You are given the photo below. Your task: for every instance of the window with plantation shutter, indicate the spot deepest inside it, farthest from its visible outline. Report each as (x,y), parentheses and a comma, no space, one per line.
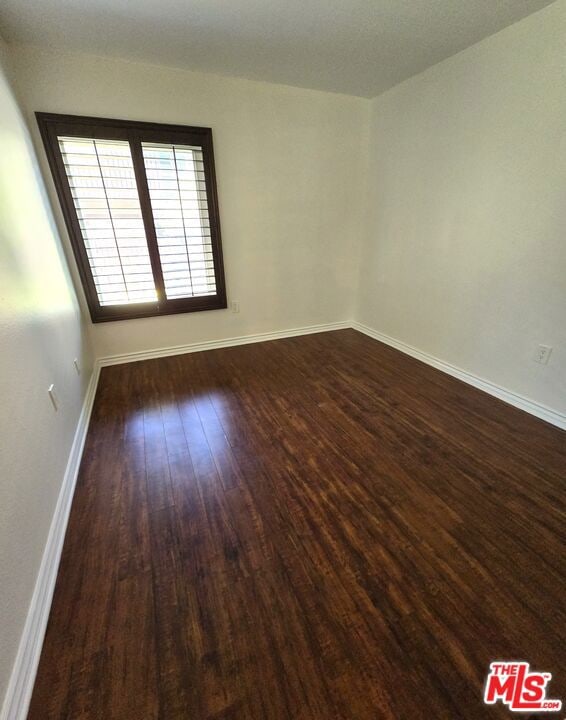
(140,204)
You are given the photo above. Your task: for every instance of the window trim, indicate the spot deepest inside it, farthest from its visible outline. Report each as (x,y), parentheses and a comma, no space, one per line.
(52,125)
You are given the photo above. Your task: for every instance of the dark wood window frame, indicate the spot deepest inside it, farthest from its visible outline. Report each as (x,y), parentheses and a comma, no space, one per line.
(53,126)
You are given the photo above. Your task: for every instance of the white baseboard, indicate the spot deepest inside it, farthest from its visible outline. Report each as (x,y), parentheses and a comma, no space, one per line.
(213,344)
(20,687)
(519,401)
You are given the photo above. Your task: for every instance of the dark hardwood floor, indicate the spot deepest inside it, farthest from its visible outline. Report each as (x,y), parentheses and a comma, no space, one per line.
(318,527)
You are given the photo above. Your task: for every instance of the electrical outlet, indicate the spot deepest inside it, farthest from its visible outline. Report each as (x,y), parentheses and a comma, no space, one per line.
(77,366)
(53,396)
(235,307)
(542,354)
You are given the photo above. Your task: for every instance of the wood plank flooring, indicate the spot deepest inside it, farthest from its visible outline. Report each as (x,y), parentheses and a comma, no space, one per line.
(312,528)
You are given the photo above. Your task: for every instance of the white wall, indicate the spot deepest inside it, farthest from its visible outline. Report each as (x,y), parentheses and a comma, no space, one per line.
(41,332)
(288,165)
(465,254)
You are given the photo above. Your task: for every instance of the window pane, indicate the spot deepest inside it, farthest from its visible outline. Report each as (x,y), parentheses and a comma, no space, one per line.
(177,189)
(103,186)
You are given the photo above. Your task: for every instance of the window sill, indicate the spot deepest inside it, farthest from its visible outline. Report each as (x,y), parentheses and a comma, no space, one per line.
(146,310)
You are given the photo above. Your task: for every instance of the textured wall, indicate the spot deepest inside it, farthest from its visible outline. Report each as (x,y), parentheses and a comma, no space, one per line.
(465,252)
(288,165)
(41,332)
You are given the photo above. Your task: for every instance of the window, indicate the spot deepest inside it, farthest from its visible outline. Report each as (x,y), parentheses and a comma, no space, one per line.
(141,208)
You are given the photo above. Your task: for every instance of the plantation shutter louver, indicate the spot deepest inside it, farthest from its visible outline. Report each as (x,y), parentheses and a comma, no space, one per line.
(177,191)
(105,196)
(140,204)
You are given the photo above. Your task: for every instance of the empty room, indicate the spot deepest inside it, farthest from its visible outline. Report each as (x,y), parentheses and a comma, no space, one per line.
(282,360)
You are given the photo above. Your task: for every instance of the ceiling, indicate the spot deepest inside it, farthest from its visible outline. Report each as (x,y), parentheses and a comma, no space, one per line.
(358,47)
